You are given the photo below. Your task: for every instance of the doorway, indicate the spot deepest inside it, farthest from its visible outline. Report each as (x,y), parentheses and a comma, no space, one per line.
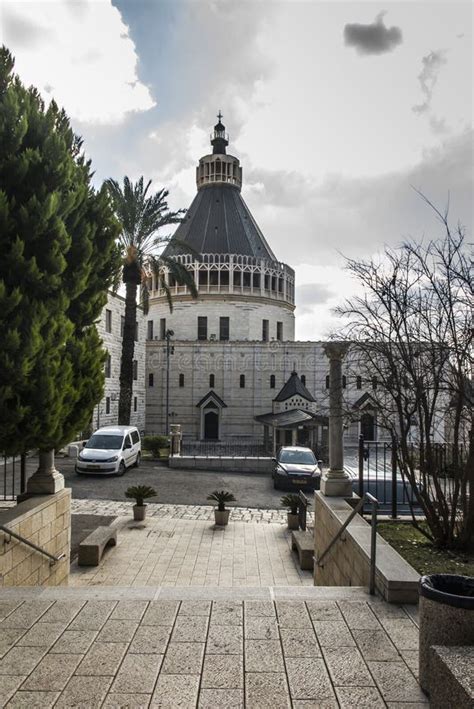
(211,425)
(367,427)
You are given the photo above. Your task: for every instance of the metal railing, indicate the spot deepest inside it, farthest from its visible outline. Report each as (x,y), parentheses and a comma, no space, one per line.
(367,497)
(52,559)
(238,448)
(12,476)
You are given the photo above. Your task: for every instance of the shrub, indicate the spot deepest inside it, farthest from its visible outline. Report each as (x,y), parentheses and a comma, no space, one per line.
(154,443)
(221,497)
(140,493)
(292,502)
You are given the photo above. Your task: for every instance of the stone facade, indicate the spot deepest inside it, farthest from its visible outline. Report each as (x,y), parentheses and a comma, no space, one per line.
(45,521)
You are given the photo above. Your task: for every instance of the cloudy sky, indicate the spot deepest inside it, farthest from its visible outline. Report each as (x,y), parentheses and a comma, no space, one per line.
(336,110)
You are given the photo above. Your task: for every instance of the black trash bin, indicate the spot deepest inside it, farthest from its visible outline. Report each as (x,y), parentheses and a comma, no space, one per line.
(446,616)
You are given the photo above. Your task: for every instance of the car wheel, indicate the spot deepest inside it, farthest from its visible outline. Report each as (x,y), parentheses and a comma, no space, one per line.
(137,462)
(122,468)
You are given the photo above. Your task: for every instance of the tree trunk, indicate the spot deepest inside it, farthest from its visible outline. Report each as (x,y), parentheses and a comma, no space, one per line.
(128,348)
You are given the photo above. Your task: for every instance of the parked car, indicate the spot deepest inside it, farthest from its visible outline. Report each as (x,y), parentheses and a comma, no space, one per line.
(109,450)
(296,467)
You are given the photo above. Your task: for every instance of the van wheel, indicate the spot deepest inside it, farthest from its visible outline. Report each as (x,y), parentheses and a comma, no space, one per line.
(137,462)
(122,468)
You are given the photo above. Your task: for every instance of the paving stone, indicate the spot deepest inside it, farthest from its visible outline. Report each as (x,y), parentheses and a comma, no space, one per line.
(103,659)
(360,697)
(396,683)
(52,673)
(308,678)
(127,701)
(223,672)
(375,645)
(333,633)
(176,692)
(224,640)
(412,658)
(93,615)
(183,658)
(358,615)
(190,629)
(116,631)
(263,656)
(346,667)
(387,610)
(25,615)
(150,639)
(227,613)
(18,661)
(42,635)
(261,628)
(300,642)
(8,637)
(403,633)
(74,642)
(8,686)
(27,700)
(221,699)
(323,610)
(84,693)
(259,608)
(315,704)
(292,614)
(7,607)
(407,705)
(195,608)
(129,610)
(160,613)
(62,612)
(137,673)
(266,691)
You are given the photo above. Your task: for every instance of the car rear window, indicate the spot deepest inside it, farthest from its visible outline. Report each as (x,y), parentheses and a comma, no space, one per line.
(298,457)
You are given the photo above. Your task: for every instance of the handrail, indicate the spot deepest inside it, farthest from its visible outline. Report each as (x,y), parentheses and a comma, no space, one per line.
(373,536)
(52,559)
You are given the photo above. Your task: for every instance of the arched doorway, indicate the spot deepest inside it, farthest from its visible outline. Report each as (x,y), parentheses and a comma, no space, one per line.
(367,427)
(211,425)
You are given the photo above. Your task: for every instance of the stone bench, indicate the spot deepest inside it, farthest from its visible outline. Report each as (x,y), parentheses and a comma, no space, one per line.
(303,543)
(451,681)
(93,546)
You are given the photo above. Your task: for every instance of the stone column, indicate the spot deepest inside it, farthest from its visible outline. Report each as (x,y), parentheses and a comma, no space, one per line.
(46,480)
(336,482)
(175,433)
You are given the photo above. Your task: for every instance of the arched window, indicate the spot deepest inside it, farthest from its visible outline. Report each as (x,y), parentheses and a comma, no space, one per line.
(374,383)
(242,381)
(151,379)
(181,380)
(272,381)
(212,381)
(303,379)
(359,382)
(344,381)
(327,381)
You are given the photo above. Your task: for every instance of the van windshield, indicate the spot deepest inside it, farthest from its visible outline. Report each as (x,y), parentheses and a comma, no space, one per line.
(101,441)
(298,457)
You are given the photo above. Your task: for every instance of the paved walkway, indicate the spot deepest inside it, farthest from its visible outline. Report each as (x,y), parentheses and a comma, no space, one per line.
(176,551)
(348,651)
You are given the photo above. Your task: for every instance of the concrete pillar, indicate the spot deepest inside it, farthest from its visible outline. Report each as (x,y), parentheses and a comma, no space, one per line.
(336,482)
(46,480)
(175,443)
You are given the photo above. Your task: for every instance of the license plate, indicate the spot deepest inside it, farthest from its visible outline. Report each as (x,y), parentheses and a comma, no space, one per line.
(93,467)
(300,482)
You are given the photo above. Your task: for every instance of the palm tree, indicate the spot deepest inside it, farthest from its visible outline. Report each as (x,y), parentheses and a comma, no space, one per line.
(141,216)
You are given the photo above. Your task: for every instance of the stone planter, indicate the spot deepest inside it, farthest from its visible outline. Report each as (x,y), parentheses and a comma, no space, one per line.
(139,512)
(446,616)
(221,517)
(293,521)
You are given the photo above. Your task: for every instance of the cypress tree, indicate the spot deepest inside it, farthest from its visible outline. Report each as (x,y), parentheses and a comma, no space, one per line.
(58,257)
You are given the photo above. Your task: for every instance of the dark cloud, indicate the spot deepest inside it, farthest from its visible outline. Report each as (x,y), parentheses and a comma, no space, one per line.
(21,32)
(311,294)
(428,77)
(375,38)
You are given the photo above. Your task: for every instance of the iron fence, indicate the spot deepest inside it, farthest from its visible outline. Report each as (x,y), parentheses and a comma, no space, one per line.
(238,448)
(13,477)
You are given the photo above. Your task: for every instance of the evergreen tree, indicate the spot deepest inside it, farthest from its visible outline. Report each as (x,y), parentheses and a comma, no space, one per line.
(58,258)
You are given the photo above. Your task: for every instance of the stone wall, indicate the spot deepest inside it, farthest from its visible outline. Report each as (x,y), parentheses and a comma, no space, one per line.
(45,521)
(232,464)
(348,562)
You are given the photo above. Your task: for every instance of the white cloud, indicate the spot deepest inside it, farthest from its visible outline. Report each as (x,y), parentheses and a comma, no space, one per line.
(78,53)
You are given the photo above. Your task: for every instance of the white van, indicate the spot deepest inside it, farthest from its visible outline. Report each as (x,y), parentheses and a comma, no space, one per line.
(111,449)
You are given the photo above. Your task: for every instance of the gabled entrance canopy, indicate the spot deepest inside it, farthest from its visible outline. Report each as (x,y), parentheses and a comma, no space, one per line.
(211,406)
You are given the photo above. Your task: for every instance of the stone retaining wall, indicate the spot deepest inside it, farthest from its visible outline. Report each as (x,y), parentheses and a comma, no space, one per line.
(45,521)
(232,464)
(348,562)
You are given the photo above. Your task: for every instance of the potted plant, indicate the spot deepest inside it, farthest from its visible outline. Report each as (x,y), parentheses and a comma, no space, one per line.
(221,515)
(292,502)
(139,493)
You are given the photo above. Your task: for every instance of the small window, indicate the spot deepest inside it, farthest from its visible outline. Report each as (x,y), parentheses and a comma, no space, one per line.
(212,381)
(108,321)
(135,369)
(303,379)
(135,403)
(265,330)
(374,383)
(149,332)
(272,381)
(359,382)
(136,331)
(162,328)
(107,405)
(108,366)
(181,380)
(202,328)
(151,379)
(279,331)
(327,381)
(344,381)
(122,325)
(224,329)
(242,381)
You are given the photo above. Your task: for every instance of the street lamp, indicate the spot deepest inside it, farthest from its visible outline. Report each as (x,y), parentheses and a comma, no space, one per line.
(169,351)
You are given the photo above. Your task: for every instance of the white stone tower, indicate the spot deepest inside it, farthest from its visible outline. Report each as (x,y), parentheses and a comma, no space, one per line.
(245,293)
